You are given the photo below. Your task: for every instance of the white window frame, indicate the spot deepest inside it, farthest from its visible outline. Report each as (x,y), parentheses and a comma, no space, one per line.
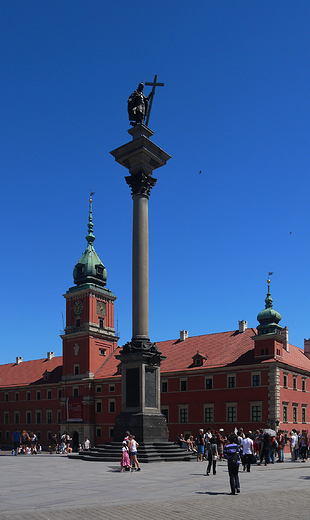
(208,377)
(256,404)
(252,379)
(161,386)
(232,405)
(208,406)
(182,379)
(110,401)
(183,407)
(98,402)
(231,387)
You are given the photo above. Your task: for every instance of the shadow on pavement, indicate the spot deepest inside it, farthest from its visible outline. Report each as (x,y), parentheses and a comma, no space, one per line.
(210,493)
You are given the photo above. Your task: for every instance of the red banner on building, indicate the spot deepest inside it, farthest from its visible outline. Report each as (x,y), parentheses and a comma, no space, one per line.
(74,409)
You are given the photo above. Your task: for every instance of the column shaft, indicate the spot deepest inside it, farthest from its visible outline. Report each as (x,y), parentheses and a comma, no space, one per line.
(140,268)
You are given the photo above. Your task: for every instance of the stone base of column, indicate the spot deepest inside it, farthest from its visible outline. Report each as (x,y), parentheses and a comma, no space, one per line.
(146,427)
(142,345)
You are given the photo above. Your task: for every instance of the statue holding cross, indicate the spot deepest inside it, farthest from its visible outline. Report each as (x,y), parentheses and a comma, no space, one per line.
(139,106)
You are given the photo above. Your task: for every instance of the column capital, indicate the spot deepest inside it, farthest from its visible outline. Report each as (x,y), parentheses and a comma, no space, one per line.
(142,351)
(140,183)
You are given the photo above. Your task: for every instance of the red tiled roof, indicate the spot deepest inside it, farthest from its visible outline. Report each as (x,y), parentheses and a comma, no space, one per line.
(294,358)
(31,372)
(221,349)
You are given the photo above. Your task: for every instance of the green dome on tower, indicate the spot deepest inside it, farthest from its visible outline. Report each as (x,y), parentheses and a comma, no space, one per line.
(269,318)
(90,269)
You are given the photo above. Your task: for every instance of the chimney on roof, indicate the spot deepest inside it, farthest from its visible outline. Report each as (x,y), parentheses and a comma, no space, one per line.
(284,333)
(307,347)
(50,355)
(183,335)
(19,360)
(243,325)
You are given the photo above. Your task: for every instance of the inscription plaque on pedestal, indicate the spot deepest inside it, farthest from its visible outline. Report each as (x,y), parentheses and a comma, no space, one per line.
(132,388)
(150,387)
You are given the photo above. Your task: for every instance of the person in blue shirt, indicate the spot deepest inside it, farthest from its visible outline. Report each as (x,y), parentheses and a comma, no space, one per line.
(16,440)
(233,452)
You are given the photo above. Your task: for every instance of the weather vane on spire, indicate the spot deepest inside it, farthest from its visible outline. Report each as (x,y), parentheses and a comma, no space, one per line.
(139,106)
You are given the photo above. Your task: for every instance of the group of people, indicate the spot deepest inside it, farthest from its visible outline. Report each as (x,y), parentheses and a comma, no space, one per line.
(299,445)
(214,445)
(268,445)
(64,445)
(244,449)
(25,443)
(200,445)
(129,453)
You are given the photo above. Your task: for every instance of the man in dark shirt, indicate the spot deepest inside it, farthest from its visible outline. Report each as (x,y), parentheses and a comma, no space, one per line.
(200,443)
(233,452)
(54,443)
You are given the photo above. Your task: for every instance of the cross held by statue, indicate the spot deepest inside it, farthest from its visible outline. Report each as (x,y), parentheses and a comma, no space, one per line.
(153,84)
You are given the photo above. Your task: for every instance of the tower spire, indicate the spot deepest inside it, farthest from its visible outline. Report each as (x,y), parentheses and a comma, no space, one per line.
(90,269)
(268,299)
(269,318)
(90,237)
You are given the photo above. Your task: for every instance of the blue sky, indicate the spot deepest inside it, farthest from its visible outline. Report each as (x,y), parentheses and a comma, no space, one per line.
(235,106)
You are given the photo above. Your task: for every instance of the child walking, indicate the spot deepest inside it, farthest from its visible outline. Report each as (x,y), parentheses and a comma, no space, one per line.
(125,462)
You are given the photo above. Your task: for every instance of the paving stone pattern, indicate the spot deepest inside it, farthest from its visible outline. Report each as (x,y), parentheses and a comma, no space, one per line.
(52,487)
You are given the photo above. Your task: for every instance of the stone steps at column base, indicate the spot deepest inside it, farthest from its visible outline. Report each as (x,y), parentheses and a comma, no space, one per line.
(156,452)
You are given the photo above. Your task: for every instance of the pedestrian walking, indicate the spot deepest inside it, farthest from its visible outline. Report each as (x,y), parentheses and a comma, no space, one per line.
(212,455)
(233,452)
(248,452)
(133,447)
(125,462)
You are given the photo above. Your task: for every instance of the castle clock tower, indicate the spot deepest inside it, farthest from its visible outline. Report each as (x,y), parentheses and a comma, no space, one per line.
(89,336)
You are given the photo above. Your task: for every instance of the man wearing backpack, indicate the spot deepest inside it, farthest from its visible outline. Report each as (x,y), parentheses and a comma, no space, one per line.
(233,452)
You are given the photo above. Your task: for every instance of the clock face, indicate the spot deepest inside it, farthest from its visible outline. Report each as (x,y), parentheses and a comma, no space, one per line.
(101,306)
(78,307)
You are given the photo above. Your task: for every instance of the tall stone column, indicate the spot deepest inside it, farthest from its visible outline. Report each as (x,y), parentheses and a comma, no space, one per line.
(140,268)
(140,359)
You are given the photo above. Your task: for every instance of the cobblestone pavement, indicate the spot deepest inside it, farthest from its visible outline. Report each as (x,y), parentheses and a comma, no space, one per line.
(52,487)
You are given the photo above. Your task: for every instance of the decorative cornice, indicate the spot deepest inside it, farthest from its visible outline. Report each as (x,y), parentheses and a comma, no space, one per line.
(79,377)
(140,183)
(78,293)
(91,330)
